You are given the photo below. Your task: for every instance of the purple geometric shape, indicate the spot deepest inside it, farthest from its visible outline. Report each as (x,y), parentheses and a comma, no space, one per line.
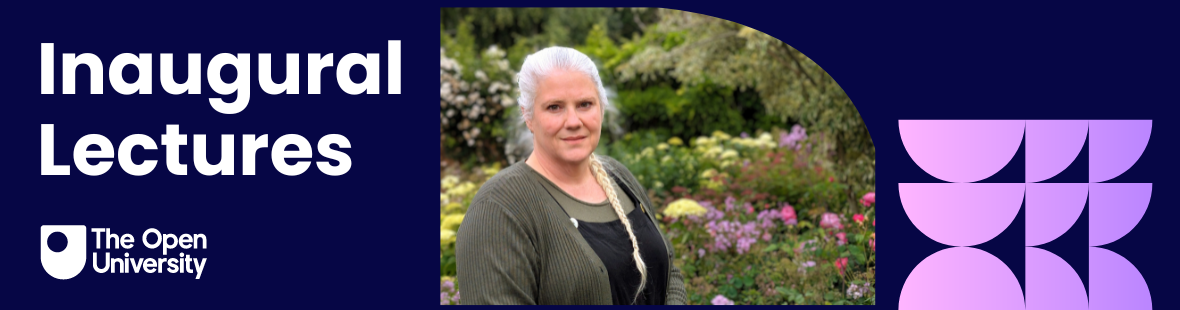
(1050,283)
(1050,209)
(961,150)
(1115,283)
(961,278)
(1115,146)
(1115,209)
(1050,146)
(961,214)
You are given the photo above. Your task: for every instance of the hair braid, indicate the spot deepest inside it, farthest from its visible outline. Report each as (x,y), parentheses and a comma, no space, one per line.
(608,187)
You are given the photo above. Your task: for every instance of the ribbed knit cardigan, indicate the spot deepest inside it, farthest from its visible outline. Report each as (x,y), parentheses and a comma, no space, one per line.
(517,246)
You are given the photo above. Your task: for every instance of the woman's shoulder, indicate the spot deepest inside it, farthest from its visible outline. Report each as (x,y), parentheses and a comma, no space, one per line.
(617,167)
(509,187)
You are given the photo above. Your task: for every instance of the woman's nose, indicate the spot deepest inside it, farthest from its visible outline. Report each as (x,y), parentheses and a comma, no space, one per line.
(572,121)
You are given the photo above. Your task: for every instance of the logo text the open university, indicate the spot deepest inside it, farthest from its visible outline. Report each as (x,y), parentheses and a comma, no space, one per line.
(69,262)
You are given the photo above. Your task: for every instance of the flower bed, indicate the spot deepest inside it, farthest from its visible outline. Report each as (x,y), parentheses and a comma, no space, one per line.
(753,219)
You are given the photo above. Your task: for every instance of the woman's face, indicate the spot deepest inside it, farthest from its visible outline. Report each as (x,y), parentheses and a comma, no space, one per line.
(567,117)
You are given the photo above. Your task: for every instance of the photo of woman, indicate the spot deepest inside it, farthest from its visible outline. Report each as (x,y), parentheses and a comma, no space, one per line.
(593,241)
(638,156)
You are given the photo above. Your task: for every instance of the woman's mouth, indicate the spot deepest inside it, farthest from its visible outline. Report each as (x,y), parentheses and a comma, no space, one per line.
(573,139)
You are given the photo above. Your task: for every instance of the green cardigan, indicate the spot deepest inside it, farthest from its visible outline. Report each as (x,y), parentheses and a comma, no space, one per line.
(516,246)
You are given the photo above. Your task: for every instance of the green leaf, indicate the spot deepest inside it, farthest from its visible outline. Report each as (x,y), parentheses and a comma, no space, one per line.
(781,290)
(770,248)
(856,251)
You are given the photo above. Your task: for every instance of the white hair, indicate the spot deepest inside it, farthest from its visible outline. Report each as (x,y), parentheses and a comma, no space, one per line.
(541,63)
(535,68)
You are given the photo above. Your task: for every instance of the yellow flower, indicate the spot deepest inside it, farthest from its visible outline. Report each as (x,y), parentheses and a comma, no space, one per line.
(708,174)
(491,170)
(449,181)
(728,154)
(453,207)
(675,141)
(446,236)
(662,146)
(647,152)
(713,151)
(703,141)
(683,207)
(462,189)
(451,222)
(720,135)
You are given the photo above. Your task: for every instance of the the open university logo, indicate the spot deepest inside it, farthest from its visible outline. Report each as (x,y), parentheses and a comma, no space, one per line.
(964,151)
(71,260)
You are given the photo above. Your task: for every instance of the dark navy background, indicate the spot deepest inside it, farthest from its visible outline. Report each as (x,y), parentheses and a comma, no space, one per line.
(364,239)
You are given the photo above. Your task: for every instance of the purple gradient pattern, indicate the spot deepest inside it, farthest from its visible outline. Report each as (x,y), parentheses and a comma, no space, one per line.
(963,214)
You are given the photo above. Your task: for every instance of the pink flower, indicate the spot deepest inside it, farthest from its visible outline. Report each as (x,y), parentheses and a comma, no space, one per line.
(749,208)
(873,244)
(858,218)
(766,237)
(788,215)
(721,300)
(841,238)
(874,223)
(831,221)
(841,263)
(869,199)
(803,246)
(831,179)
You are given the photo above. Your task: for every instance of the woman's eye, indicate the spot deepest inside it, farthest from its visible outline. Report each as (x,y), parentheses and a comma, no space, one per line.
(585,104)
(552,107)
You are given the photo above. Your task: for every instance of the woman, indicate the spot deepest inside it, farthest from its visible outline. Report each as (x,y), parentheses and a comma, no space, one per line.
(565,226)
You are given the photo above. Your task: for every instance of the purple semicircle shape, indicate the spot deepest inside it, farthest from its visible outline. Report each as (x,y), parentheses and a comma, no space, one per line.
(1050,283)
(1115,283)
(961,150)
(1115,209)
(1115,146)
(961,214)
(1050,146)
(1050,209)
(961,278)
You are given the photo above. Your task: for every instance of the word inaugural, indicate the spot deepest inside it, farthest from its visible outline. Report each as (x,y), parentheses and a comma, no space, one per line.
(127,264)
(316,62)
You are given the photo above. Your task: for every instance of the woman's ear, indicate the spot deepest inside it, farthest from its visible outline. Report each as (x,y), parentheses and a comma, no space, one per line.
(527,120)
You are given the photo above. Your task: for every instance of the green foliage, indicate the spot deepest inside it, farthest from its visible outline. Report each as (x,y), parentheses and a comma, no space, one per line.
(693,110)
(698,49)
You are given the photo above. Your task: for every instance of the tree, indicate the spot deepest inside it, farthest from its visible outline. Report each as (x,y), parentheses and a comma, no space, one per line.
(702,49)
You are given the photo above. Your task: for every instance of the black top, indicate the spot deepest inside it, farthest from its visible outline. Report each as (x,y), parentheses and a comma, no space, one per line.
(610,241)
(599,225)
